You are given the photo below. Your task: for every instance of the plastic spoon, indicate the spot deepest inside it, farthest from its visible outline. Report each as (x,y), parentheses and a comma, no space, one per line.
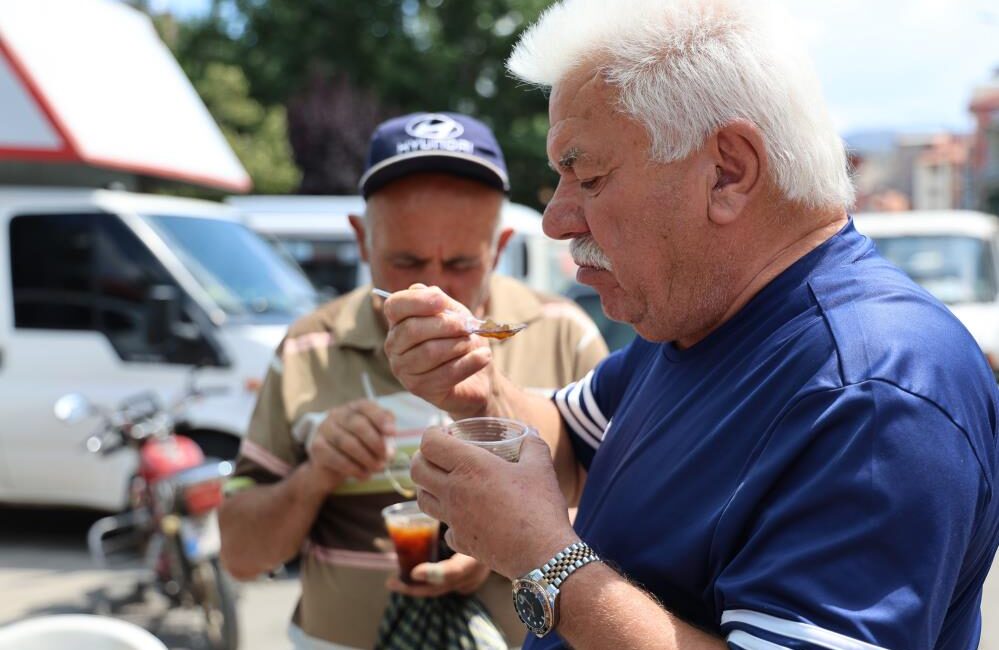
(487,328)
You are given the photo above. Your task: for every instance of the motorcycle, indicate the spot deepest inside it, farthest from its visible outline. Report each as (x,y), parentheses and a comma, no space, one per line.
(173,502)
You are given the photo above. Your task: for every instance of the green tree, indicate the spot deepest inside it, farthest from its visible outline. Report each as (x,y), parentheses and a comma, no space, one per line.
(257,133)
(367,60)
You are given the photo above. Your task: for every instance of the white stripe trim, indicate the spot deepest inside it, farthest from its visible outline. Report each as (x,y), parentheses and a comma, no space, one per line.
(540,390)
(355,559)
(588,338)
(577,410)
(591,403)
(747,641)
(570,419)
(795,630)
(263,457)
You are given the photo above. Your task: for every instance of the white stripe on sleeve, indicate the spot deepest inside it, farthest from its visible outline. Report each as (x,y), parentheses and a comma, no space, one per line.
(591,403)
(746,641)
(575,427)
(796,630)
(573,399)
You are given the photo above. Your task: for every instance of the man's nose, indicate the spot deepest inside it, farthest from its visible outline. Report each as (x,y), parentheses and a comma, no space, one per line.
(563,216)
(433,276)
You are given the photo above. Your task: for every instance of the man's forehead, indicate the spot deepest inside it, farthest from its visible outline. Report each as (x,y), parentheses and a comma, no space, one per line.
(575,104)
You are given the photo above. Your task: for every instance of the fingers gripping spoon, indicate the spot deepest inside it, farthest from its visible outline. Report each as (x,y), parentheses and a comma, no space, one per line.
(487,328)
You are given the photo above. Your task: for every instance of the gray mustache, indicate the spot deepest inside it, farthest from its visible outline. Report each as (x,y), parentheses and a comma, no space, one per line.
(586,252)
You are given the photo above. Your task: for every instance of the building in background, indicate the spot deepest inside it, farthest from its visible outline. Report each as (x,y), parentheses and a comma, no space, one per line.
(940,173)
(984,161)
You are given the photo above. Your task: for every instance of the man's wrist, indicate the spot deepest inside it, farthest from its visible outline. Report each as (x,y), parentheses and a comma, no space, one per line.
(545,550)
(314,483)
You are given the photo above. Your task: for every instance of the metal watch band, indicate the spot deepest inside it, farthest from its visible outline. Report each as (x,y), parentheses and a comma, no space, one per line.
(566,561)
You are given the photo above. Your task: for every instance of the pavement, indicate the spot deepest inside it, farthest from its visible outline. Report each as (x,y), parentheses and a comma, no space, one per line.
(44,569)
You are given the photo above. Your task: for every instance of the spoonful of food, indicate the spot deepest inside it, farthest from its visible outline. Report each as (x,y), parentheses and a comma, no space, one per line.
(487,328)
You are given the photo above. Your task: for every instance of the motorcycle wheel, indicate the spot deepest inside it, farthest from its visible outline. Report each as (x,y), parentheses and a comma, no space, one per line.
(218,602)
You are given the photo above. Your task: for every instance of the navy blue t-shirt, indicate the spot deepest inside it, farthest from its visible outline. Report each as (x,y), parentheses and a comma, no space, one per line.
(816,473)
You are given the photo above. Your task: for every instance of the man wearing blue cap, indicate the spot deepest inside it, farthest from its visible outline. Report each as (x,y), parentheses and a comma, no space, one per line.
(311,474)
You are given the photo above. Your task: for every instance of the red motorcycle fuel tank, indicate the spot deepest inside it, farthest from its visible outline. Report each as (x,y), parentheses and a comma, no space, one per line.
(159,458)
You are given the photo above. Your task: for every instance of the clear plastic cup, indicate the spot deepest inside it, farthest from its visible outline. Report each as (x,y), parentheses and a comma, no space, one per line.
(501,436)
(414,535)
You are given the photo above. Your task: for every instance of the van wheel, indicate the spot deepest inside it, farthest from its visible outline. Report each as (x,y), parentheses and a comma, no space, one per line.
(216,445)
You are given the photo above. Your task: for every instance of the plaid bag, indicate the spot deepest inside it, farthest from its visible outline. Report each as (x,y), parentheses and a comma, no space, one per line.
(450,622)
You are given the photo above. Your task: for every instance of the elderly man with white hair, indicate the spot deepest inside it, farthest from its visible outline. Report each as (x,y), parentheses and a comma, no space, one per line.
(800,449)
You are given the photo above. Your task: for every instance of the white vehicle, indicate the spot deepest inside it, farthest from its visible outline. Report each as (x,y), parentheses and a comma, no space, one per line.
(107,293)
(951,254)
(314,230)
(103,291)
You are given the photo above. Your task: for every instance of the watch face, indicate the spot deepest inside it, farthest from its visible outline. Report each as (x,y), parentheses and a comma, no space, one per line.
(532,607)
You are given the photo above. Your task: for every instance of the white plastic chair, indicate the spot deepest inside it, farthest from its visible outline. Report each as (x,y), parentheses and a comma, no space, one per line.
(75,632)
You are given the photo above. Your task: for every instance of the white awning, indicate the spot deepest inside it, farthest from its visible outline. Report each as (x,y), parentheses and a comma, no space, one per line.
(90,82)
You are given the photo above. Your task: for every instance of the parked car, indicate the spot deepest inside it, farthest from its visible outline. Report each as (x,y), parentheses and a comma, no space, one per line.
(108,292)
(951,254)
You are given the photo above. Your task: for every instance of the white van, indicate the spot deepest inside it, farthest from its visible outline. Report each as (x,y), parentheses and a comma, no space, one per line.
(314,230)
(108,293)
(951,254)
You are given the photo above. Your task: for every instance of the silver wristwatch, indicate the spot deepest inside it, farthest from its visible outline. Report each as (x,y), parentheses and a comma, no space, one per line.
(536,595)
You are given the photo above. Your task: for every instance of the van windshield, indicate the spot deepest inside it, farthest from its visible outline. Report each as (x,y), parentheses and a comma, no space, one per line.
(239,270)
(955,269)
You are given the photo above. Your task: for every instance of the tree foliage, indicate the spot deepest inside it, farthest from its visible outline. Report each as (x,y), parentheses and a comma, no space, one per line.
(339,66)
(257,133)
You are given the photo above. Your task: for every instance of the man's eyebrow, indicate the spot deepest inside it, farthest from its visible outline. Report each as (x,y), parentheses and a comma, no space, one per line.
(461,259)
(568,159)
(407,257)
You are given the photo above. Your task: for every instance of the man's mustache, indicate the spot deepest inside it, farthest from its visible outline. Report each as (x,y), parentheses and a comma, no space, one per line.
(585,252)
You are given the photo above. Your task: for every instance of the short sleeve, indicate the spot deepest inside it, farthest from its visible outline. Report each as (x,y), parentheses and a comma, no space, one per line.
(852,527)
(269,451)
(587,405)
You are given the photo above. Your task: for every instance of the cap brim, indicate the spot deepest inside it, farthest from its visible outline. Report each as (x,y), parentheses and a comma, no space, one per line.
(458,164)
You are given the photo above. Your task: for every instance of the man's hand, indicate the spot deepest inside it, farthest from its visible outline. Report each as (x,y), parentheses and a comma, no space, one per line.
(431,353)
(512,516)
(460,573)
(351,442)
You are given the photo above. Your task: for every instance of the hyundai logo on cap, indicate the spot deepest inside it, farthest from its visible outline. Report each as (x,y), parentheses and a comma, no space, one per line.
(449,143)
(434,126)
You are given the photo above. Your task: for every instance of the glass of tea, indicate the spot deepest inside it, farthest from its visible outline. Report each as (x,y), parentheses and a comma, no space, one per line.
(414,535)
(501,436)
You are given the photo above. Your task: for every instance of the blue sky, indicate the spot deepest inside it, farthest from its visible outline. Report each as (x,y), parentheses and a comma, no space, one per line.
(884,64)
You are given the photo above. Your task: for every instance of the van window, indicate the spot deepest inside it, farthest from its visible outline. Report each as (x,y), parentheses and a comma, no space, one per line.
(330,264)
(50,261)
(91,272)
(955,269)
(239,270)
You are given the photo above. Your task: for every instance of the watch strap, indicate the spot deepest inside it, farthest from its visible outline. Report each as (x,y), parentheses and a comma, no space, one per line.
(566,562)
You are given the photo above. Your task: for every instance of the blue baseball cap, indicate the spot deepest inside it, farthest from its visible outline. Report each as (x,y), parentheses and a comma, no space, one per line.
(433,142)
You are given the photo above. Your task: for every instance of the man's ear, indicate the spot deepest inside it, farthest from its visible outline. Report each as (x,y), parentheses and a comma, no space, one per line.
(501,242)
(740,166)
(359,227)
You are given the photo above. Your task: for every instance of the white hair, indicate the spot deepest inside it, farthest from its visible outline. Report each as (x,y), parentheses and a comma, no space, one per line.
(685,68)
